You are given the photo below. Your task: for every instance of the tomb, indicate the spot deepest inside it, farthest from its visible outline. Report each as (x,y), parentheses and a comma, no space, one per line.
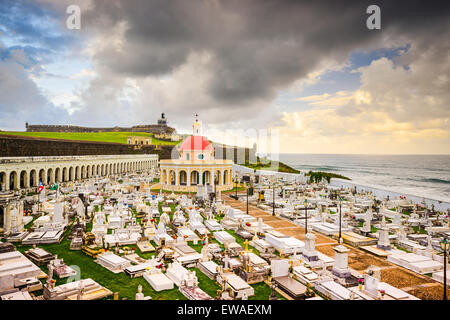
(280,275)
(305,275)
(383,236)
(417,263)
(136,270)
(15,270)
(176,272)
(86,289)
(157,279)
(284,244)
(238,287)
(39,256)
(209,268)
(6,247)
(61,269)
(340,268)
(213,225)
(112,262)
(253,267)
(262,246)
(223,237)
(189,287)
(145,246)
(309,253)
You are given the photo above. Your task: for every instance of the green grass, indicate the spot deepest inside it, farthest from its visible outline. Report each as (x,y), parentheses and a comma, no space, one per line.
(117,137)
(271,166)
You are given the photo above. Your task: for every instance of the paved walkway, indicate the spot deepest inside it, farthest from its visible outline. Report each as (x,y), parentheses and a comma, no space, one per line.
(418,285)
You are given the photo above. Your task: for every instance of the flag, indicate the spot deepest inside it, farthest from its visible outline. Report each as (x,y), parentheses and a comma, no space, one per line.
(40,187)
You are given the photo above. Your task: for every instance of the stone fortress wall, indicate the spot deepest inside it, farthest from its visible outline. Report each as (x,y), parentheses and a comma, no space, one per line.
(19,146)
(151,128)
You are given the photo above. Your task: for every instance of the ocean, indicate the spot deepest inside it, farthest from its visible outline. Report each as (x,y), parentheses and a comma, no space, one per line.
(422,176)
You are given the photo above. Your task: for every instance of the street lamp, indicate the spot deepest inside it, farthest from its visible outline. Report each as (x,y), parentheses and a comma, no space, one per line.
(306,216)
(273,198)
(247,199)
(340,218)
(216,176)
(445,245)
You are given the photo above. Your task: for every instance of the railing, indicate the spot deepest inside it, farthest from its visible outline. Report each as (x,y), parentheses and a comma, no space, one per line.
(73,158)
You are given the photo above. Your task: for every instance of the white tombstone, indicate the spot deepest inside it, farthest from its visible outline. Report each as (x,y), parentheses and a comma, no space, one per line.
(371,285)
(260,225)
(340,267)
(58,213)
(280,268)
(383,236)
(397,220)
(367,221)
(309,252)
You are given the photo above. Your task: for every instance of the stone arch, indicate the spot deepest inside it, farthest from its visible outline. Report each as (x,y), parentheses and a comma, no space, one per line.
(65,174)
(225,177)
(83,172)
(23,181)
(33,178)
(88,171)
(206,177)
(172,177)
(218,176)
(58,175)
(194,178)
(77,173)
(163,178)
(3,182)
(183,177)
(13,181)
(71,171)
(42,176)
(50,176)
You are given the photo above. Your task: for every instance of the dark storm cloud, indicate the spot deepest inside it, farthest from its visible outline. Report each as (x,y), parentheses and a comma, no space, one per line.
(258,46)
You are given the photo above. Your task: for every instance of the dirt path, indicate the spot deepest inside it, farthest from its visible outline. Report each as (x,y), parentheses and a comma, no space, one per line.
(418,285)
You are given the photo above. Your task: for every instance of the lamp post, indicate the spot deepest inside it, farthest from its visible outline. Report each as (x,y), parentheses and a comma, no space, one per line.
(306,216)
(340,218)
(247,199)
(273,198)
(215,182)
(445,245)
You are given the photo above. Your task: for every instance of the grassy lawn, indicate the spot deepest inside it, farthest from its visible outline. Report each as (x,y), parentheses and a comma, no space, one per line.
(117,137)
(86,267)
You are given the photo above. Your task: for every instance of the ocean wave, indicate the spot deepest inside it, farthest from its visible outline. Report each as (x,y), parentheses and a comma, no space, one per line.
(435,180)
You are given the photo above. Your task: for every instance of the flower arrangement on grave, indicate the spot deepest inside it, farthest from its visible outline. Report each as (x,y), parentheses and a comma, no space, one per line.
(382,292)
(174,237)
(248,224)
(360,283)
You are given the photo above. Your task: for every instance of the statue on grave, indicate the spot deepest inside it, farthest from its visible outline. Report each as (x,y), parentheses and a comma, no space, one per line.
(80,290)
(139,294)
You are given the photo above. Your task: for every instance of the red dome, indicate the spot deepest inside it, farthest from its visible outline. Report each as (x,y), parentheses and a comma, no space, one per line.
(196,143)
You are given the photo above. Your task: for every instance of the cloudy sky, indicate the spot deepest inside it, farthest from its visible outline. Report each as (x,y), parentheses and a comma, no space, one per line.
(309,71)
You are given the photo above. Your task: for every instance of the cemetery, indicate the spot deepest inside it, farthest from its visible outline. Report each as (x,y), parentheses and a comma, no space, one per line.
(122,236)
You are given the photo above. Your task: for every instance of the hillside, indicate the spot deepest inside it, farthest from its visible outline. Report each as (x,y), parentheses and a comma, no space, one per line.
(117,137)
(271,166)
